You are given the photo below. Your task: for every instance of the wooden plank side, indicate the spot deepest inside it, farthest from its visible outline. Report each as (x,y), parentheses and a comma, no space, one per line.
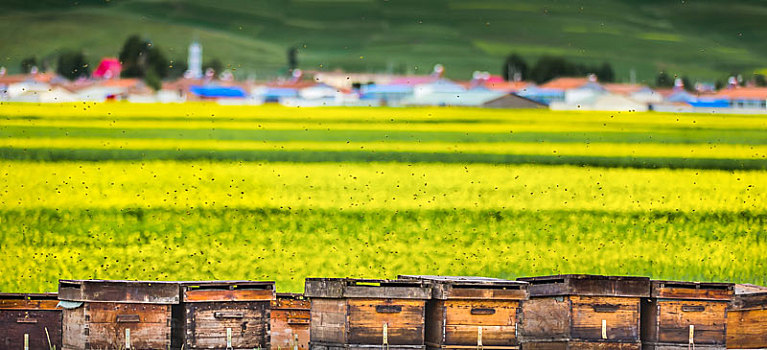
(676,316)
(481,312)
(649,320)
(287,334)
(545,319)
(28,304)
(619,315)
(117,312)
(14,324)
(328,321)
(580,346)
(747,329)
(435,321)
(73,335)
(146,292)
(143,336)
(484,293)
(404,319)
(206,295)
(468,335)
(207,324)
(693,293)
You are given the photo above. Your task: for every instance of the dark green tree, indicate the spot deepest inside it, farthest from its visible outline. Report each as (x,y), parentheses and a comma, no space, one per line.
(292,59)
(550,67)
(515,67)
(688,85)
(72,65)
(142,59)
(214,64)
(605,73)
(133,57)
(27,64)
(759,80)
(663,80)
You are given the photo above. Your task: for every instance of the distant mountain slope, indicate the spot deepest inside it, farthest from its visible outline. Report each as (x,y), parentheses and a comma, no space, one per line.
(701,39)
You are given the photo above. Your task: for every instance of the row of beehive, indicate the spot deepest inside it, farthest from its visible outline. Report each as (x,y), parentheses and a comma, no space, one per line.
(413,312)
(95,314)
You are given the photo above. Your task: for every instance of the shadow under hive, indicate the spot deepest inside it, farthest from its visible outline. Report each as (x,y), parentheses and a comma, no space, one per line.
(682,315)
(29,321)
(583,312)
(117,314)
(472,312)
(367,314)
(224,314)
(290,322)
(747,318)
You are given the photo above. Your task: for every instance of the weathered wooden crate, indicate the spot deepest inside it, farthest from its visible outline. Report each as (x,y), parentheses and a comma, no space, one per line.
(290,322)
(747,318)
(29,321)
(225,314)
(472,312)
(364,314)
(680,315)
(117,314)
(583,312)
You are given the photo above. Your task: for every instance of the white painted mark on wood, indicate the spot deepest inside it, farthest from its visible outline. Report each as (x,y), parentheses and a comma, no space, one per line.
(604,329)
(127,338)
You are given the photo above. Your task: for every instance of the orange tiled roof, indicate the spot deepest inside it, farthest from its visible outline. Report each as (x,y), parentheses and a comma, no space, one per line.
(565,83)
(747,93)
(508,85)
(623,89)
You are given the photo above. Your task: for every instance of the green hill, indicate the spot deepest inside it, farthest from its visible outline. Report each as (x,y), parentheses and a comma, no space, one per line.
(703,39)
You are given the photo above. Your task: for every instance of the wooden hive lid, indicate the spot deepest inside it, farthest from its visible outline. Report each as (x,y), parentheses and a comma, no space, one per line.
(366,288)
(28,301)
(129,292)
(684,290)
(749,297)
(588,285)
(211,291)
(471,287)
(30,296)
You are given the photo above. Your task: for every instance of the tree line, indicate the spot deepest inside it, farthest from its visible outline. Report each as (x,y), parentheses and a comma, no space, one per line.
(549,67)
(140,58)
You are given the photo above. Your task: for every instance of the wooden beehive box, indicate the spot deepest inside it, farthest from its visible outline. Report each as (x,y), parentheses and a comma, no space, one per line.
(583,312)
(225,314)
(117,314)
(684,314)
(33,320)
(290,322)
(747,318)
(367,314)
(472,312)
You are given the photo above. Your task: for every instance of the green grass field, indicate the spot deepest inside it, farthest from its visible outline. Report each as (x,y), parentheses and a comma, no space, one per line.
(706,39)
(200,191)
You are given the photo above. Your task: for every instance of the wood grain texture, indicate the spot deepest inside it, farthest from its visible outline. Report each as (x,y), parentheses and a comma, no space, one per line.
(620,315)
(404,327)
(290,319)
(202,295)
(206,324)
(14,324)
(692,290)
(576,345)
(674,322)
(328,321)
(545,319)
(99,326)
(747,329)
